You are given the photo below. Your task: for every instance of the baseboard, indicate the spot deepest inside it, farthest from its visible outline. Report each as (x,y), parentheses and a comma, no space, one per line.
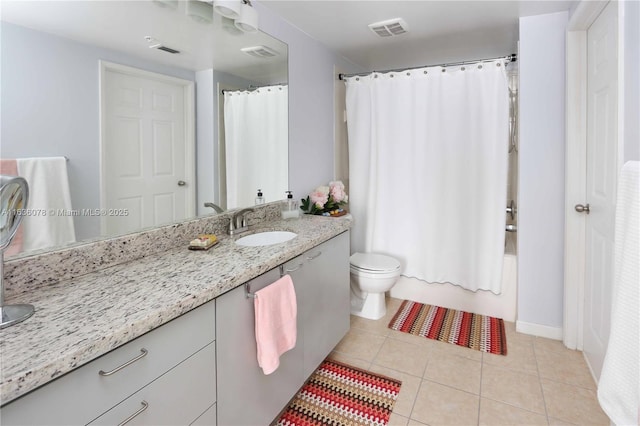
(540,330)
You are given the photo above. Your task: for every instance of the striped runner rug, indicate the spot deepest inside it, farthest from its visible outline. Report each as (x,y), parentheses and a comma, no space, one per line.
(480,332)
(341,395)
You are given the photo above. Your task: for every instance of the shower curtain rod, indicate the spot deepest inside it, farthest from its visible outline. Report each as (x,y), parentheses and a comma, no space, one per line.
(509,58)
(252,88)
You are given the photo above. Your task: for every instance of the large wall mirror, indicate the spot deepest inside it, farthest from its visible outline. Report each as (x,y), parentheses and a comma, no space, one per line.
(160,111)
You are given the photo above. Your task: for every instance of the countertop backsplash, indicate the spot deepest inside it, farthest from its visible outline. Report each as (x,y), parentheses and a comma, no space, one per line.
(26,273)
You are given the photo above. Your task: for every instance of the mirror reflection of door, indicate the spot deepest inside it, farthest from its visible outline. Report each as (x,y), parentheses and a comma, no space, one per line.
(148,155)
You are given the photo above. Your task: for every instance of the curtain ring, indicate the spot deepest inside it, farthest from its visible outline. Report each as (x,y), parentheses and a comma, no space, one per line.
(357,78)
(444,70)
(425,71)
(408,73)
(391,75)
(498,64)
(375,76)
(462,69)
(479,67)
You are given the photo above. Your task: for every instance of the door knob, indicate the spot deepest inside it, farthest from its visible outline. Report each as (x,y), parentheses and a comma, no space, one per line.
(181,183)
(582,209)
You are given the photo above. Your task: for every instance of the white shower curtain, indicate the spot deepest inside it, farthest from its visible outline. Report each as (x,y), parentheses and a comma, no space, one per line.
(256,144)
(428,170)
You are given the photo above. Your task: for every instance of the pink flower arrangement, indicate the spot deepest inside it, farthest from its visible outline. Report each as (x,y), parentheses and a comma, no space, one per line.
(325,200)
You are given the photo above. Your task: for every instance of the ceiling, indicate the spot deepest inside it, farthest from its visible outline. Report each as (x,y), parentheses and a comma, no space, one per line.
(439,31)
(122,25)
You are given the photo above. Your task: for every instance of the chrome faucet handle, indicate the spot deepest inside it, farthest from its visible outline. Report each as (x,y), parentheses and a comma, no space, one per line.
(238,222)
(240,219)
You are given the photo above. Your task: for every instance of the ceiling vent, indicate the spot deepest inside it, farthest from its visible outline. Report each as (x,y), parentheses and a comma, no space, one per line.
(391,27)
(260,51)
(165,48)
(155,44)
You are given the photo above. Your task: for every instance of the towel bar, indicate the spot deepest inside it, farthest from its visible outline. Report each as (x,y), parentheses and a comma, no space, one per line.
(247,292)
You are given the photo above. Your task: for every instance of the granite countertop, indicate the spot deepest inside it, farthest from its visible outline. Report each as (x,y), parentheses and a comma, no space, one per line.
(81,319)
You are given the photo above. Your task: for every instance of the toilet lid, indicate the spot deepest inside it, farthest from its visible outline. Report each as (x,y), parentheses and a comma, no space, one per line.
(374,262)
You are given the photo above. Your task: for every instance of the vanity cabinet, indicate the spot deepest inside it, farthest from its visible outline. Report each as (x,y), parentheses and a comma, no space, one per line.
(246,396)
(325,299)
(173,363)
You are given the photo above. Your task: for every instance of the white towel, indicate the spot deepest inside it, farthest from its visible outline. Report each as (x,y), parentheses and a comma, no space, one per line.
(618,391)
(47,224)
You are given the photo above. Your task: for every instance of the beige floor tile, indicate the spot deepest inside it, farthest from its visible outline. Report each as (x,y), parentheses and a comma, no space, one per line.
(556,422)
(360,344)
(545,344)
(497,413)
(371,326)
(513,335)
(397,420)
(402,356)
(520,356)
(444,349)
(346,359)
(512,387)
(573,404)
(441,405)
(454,371)
(566,366)
(393,304)
(415,423)
(408,390)
(413,339)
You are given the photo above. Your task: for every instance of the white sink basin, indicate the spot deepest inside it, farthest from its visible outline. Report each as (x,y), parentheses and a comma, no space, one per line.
(266,238)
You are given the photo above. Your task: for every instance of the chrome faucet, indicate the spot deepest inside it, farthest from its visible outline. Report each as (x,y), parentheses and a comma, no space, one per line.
(216,207)
(238,222)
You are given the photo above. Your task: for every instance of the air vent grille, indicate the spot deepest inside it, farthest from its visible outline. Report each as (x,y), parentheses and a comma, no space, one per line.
(167,49)
(260,51)
(157,44)
(389,28)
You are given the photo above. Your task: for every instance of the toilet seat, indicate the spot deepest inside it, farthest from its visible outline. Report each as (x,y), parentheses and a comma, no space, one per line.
(373,263)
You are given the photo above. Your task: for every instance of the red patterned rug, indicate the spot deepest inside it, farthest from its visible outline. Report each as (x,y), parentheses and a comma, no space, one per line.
(461,328)
(337,394)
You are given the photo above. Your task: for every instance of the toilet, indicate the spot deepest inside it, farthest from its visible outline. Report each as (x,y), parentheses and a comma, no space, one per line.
(372,275)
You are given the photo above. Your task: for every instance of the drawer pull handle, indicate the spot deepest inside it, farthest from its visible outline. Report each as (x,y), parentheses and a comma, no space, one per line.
(143,353)
(145,405)
(286,271)
(313,257)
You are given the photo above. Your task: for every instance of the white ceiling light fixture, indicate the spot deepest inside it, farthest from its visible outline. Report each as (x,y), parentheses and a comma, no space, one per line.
(389,28)
(228,8)
(199,11)
(248,19)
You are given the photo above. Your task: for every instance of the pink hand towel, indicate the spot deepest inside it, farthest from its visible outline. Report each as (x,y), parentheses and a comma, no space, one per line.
(276,310)
(10,167)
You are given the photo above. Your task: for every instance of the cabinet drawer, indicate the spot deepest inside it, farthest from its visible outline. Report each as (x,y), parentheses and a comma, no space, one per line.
(162,402)
(83,394)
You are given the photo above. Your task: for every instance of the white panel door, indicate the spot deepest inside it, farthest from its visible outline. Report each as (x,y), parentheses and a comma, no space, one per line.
(601,182)
(147,161)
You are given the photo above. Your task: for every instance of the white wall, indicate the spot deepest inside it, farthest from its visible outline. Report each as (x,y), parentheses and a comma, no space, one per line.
(541,182)
(631,79)
(311,100)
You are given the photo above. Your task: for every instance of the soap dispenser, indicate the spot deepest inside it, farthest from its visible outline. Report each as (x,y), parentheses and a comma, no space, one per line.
(290,207)
(259,198)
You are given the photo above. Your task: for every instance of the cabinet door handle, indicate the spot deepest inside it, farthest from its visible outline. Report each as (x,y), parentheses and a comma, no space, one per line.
(143,353)
(145,405)
(286,271)
(313,257)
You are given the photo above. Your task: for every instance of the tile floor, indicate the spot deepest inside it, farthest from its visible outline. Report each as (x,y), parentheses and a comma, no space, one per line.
(539,382)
